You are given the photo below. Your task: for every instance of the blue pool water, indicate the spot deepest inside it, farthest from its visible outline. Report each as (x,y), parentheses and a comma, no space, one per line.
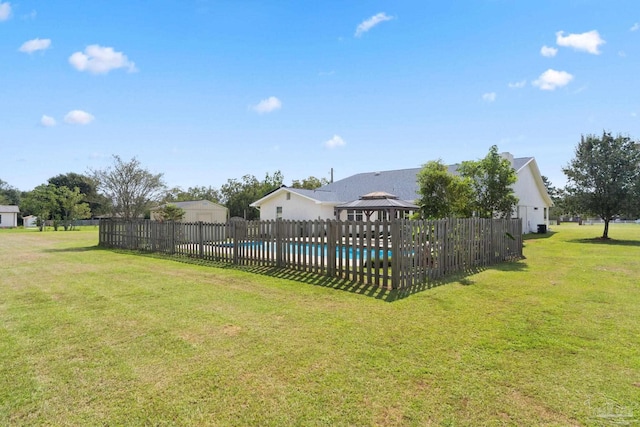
(315,249)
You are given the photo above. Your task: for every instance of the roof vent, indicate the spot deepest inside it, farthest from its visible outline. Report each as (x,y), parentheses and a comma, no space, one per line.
(376,173)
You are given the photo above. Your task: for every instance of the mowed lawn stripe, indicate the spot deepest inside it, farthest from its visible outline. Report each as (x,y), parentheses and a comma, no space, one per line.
(100,337)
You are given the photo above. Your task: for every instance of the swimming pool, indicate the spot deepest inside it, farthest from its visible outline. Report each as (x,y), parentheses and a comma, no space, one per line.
(318,249)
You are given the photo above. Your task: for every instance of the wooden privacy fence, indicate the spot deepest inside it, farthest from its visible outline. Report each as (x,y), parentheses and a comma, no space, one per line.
(395,254)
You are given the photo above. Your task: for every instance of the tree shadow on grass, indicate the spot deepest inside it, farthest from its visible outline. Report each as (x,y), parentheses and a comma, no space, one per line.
(317,279)
(74,249)
(608,242)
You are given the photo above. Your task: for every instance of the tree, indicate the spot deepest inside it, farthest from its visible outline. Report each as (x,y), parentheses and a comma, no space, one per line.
(8,194)
(71,205)
(443,194)
(310,183)
(177,194)
(604,176)
(41,201)
(238,194)
(87,186)
(170,212)
(491,179)
(130,188)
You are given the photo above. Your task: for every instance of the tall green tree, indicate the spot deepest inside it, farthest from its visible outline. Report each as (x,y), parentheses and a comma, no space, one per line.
(604,176)
(442,194)
(492,179)
(42,202)
(8,194)
(310,183)
(88,187)
(238,194)
(71,205)
(130,188)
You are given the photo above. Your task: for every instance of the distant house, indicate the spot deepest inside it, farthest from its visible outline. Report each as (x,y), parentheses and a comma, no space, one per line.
(9,216)
(347,198)
(198,211)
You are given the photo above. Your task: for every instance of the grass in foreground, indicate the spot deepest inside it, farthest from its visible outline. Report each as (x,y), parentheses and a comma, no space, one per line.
(90,336)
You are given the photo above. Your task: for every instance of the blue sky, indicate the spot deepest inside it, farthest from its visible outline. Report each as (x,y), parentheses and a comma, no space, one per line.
(204,91)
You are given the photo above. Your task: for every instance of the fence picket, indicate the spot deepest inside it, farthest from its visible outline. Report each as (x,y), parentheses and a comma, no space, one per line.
(420,251)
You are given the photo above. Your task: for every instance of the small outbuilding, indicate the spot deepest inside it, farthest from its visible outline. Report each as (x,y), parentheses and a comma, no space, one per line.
(9,216)
(30,221)
(198,211)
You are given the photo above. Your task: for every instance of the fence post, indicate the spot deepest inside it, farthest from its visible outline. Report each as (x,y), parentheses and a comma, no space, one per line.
(234,239)
(396,256)
(331,247)
(172,236)
(200,239)
(278,243)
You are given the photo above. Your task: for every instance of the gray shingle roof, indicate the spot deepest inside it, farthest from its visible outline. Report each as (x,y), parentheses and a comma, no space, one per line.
(9,209)
(401,182)
(318,194)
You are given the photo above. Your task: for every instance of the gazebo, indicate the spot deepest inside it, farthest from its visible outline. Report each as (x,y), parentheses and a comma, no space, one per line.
(378,201)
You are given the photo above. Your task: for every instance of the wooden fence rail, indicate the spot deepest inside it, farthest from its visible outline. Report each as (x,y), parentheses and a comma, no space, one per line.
(394,254)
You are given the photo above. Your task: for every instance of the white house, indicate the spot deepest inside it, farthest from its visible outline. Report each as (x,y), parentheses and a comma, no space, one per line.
(198,210)
(326,201)
(9,216)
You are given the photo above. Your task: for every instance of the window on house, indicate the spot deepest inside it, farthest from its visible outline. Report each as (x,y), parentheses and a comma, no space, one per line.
(0,219)
(279,212)
(288,196)
(354,215)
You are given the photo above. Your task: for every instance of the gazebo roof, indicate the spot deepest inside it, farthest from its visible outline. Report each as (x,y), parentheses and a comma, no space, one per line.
(377,195)
(378,205)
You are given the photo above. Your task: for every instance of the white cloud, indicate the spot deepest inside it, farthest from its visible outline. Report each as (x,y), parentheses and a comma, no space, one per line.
(489,97)
(47,121)
(547,51)
(518,85)
(34,45)
(78,117)
(368,24)
(552,79)
(335,142)
(635,27)
(267,105)
(5,11)
(587,42)
(100,60)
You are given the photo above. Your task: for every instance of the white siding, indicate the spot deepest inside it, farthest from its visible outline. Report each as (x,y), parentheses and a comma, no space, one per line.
(205,212)
(295,208)
(8,219)
(531,205)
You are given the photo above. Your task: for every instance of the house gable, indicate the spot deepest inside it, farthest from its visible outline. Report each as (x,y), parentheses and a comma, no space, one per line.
(294,203)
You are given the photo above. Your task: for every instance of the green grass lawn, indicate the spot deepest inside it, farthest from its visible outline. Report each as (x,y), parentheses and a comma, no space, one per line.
(97,337)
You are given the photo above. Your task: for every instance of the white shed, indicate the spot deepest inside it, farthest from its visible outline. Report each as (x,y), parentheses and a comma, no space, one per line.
(9,216)
(30,221)
(198,211)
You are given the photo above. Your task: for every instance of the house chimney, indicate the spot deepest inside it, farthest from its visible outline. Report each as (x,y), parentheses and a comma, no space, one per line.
(331,175)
